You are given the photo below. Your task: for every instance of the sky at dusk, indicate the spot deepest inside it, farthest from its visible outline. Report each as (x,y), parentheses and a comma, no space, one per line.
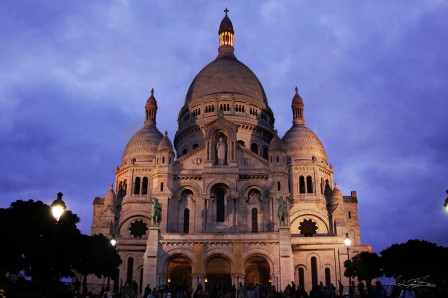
(75,77)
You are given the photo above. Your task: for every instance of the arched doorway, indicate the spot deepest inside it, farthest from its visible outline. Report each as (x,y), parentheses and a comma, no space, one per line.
(218,276)
(179,272)
(257,271)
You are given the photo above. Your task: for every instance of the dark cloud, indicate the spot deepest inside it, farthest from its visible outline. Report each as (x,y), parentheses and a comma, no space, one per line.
(74,79)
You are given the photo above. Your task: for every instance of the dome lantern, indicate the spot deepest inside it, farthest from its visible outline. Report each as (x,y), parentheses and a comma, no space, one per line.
(151,109)
(297,108)
(226,34)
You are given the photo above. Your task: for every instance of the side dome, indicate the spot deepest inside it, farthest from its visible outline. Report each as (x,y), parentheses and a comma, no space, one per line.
(165,143)
(226,75)
(143,145)
(302,143)
(276,144)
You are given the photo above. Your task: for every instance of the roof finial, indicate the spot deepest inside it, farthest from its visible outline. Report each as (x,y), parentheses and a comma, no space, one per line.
(166,134)
(226,10)
(297,90)
(152,91)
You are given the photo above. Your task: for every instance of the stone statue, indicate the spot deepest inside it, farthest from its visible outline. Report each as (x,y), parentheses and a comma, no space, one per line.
(156,213)
(221,149)
(282,212)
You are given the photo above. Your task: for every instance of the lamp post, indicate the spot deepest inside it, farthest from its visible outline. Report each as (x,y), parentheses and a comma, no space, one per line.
(113,242)
(57,210)
(348,242)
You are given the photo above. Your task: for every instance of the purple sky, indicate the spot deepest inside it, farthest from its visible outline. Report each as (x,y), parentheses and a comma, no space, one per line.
(75,76)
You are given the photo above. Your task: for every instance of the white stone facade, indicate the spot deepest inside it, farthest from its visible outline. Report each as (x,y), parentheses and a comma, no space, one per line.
(219,218)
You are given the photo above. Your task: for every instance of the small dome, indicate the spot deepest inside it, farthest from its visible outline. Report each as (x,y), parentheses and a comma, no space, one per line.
(302,143)
(143,145)
(276,144)
(226,24)
(151,100)
(337,194)
(226,75)
(109,198)
(165,143)
(296,99)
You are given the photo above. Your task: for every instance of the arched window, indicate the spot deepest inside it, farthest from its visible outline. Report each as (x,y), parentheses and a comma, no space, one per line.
(241,143)
(314,271)
(335,228)
(184,151)
(163,159)
(278,186)
(254,220)
(278,158)
(322,185)
(220,207)
(195,146)
(302,184)
(254,148)
(349,215)
(327,277)
(145,186)
(125,187)
(264,152)
(161,186)
(137,186)
(186,221)
(301,277)
(309,184)
(130,271)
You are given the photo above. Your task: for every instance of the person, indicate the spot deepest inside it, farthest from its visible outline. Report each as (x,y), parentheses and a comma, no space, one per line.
(282,211)
(147,291)
(107,293)
(221,151)
(2,293)
(379,291)
(135,288)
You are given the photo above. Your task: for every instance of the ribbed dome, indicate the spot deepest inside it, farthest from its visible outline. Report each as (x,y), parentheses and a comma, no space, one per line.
(165,143)
(226,75)
(302,143)
(109,198)
(276,144)
(143,145)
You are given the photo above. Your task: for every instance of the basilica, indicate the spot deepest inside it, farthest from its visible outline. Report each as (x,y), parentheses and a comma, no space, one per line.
(232,202)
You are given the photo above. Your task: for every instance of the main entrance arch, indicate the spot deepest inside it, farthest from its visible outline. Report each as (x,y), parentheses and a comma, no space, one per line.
(218,275)
(257,270)
(179,272)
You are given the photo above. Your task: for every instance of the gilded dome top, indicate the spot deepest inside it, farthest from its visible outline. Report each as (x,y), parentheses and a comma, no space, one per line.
(302,143)
(226,75)
(143,145)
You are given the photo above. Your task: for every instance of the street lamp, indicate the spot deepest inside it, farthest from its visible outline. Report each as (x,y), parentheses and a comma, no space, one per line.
(58,207)
(113,241)
(348,242)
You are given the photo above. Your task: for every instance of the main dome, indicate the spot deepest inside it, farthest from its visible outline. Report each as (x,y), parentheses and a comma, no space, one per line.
(226,75)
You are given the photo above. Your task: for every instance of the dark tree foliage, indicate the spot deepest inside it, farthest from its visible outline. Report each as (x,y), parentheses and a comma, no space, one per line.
(365,266)
(46,250)
(416,259)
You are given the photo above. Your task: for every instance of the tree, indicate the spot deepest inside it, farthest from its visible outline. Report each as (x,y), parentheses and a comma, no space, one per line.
(365,265)
(416,259)
(46,250)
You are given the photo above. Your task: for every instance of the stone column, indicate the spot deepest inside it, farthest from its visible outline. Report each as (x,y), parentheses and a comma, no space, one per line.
(286,257)
(198,272)
(150,258)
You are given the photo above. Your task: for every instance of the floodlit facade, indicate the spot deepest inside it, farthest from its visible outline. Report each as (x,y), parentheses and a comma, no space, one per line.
(231,202)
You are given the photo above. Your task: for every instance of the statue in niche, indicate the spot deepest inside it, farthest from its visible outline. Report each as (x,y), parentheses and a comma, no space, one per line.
(282,212)
(254,196)
(221,148)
